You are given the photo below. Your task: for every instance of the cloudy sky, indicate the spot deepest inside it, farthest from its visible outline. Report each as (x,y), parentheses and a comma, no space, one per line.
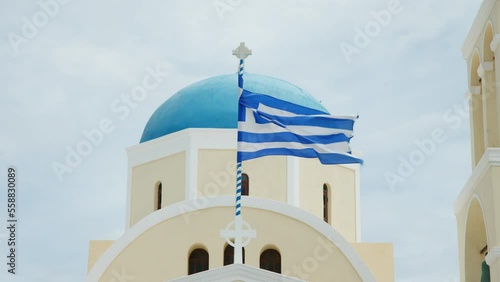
(60,74)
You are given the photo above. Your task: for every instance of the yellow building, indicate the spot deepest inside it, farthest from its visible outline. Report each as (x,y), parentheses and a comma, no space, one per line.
(477,208)
(181,187)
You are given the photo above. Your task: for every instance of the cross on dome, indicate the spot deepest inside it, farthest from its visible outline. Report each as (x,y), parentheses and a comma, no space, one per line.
(242,52)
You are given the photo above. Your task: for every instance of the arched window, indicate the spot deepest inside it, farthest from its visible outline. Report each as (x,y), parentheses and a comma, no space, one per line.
(198,261)
(158,196)
(245,184)
(229,255)
(326,202)
(271,260)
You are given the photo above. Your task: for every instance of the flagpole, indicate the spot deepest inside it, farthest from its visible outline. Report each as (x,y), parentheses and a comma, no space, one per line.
(241,53)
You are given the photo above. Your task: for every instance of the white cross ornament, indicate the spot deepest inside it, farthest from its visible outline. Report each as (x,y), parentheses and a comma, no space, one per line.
(243,231)
(242,52)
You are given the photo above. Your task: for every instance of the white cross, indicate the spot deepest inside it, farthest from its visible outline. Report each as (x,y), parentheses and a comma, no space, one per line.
(238,233)
(242,52)
(241,232)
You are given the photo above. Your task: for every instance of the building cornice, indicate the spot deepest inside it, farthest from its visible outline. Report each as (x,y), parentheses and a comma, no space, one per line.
(477,27)
(191,138)
(490,158)
(237,272)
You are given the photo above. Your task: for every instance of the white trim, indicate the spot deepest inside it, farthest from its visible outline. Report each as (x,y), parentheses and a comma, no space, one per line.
(487,66)
(475,90)
(129,197)
(490,158)
(201,138)
(495,42)
(191,191)
(480,71)
(477,27)
(493,255)
(237,272)
(358,202)
(483,68)
(175,210)
(293,181)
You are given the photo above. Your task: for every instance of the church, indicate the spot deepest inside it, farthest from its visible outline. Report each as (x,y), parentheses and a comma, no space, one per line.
(301,218)
(477,206)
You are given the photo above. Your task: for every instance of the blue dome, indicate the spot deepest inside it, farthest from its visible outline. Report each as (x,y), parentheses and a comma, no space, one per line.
(212,103)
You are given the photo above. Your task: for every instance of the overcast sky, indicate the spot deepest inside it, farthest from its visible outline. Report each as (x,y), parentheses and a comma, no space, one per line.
(61,73)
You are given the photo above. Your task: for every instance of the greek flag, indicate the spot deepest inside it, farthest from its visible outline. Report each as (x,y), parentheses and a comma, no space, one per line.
(270,126)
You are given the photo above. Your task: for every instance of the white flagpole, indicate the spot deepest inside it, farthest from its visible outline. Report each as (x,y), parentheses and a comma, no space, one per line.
(241,53)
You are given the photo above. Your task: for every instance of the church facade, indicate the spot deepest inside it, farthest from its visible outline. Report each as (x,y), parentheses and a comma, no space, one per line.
(477,207)
(181,195)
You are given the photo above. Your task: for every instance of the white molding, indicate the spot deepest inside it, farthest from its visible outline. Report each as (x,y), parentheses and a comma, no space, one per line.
(475,90)
(293,181)
(358,202)
(488,66)
(494,43)
(493,255)
(201,138)
(490,158)
(175,210)
(483,68)
(237,272)
(129,197)
(191,168)
(477,27)
(480,71)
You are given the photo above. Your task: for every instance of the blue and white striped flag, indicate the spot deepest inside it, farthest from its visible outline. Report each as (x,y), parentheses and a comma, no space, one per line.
(269,126)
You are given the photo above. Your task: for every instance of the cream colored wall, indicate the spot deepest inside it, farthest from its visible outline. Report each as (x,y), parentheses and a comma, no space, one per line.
(268,179)
(489,200)
(170,171)
(161,253)
(96,249)
(217,175)
(342,183)
(379,257)
(216,172)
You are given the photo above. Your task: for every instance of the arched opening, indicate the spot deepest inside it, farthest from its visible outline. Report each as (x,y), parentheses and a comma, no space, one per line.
(158,195)
(488,55)
(198,261)
(270,259)
(245,184)
(475,243)
(476,109)
(326,203)
(229,254)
